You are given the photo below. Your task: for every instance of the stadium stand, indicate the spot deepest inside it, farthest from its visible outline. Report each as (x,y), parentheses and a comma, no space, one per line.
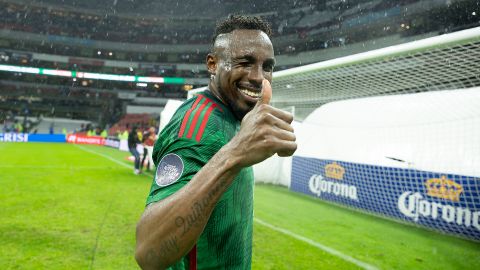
(142,121)
(86,37)
(58,125)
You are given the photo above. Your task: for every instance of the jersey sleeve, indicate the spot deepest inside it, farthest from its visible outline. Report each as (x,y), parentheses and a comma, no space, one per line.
(184,151)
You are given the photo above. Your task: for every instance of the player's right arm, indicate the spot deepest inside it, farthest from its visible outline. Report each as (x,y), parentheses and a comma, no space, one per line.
(169,228)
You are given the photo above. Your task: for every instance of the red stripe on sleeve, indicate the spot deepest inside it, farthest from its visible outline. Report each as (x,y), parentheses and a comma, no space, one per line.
(192,258)
(187,116)
(204,122)
(210,100)
(195,118)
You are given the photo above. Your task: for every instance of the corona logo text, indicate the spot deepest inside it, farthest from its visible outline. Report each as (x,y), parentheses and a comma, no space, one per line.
(444,188)
(318,185)
(335,171)
(414,206)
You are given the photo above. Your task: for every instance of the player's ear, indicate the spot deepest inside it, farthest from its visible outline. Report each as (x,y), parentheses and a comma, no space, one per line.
(211,63)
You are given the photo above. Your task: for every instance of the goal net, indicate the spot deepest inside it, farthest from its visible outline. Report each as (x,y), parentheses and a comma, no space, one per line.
(449,61)
(392,132)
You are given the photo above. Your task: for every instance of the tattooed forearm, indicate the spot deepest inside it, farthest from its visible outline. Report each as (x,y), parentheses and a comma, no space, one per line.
(178,226)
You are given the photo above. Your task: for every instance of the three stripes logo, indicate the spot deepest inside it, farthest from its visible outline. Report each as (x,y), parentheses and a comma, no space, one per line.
(196,118)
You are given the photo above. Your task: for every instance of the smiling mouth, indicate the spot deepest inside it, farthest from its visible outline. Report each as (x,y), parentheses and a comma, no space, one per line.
(250,93)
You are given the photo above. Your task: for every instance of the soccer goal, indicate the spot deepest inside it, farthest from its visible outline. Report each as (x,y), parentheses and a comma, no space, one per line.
(392,132)
(450,61)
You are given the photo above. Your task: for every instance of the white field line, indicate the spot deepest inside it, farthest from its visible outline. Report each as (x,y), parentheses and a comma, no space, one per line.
(275,228)
(318,245)
(110,158)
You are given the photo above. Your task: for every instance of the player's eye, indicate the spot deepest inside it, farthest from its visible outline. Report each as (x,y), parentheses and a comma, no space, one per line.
(268,68)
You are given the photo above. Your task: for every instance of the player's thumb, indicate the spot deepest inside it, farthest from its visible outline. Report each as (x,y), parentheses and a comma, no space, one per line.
(266,93)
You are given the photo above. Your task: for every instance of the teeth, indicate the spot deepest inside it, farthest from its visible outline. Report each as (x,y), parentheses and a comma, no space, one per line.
(250,93)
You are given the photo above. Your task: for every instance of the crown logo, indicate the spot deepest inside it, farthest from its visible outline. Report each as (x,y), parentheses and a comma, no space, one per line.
(334,171)
(444,188)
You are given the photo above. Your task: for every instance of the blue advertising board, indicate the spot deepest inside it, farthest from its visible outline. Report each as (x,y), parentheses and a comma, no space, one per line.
(60,138)
(24,137)
(446,202)
(13,137)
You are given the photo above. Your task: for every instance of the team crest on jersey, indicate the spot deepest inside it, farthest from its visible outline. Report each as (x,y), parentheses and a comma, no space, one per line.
(169,170)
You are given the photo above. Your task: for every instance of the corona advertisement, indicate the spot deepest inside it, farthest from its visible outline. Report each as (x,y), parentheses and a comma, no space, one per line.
(444,202)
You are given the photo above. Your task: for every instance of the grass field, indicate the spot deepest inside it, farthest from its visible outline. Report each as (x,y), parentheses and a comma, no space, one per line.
(75,207)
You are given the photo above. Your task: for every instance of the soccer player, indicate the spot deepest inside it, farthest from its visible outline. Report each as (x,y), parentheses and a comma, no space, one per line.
(133,140)
(199,212)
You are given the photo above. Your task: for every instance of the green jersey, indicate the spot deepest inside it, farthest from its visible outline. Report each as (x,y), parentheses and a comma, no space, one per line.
(197,130)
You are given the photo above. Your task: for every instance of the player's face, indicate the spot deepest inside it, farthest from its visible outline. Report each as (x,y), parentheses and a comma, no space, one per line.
(245,61)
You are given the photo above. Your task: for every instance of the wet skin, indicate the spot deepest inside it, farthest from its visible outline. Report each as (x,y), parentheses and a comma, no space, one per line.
(239,62)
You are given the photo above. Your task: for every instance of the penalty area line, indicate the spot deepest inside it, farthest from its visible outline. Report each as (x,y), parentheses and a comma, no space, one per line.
(318,245)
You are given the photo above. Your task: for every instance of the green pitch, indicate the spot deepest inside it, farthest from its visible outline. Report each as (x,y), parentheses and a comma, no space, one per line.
(75,207)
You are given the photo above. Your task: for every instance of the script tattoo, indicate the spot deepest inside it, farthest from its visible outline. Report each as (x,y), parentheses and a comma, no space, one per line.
(169,246)
(166,248)
(198,208)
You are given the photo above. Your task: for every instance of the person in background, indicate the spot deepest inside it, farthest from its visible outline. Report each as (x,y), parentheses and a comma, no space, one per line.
(104,133)
(18,127)
(149,138)
(124,135)
(133,140)
(140,135)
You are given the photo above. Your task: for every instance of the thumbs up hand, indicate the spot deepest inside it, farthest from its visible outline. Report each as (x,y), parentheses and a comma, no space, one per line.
(266,93)
(264,131)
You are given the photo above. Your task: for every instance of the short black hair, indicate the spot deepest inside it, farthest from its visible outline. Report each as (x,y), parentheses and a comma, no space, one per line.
(235,22)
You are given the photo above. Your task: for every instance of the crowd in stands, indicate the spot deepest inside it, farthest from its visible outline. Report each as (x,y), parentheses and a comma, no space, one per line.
(307,25)
(10,124)
(18,123)
(28,98)
(48,21)
(142,121)
(13,122)
(297,18)
(77,50)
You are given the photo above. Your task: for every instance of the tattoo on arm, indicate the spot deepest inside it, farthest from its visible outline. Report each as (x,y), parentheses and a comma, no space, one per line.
(170,246)
(198,208)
